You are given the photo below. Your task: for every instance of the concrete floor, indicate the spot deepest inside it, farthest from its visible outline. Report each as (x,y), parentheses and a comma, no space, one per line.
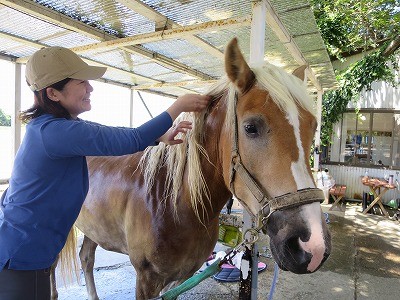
(364,264)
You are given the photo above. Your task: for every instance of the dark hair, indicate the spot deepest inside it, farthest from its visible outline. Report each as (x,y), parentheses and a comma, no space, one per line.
(43,105)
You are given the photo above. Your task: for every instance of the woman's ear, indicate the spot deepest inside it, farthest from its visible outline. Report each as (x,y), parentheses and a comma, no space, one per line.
(52,94)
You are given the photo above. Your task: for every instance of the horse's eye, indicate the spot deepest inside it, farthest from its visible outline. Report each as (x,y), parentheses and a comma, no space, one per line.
(251,130)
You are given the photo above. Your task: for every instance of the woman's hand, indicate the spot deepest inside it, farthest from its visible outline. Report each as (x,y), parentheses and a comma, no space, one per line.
(169,137)
(188,103)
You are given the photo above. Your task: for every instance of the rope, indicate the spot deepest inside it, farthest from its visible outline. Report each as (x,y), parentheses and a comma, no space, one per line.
(191,282)
(274,280)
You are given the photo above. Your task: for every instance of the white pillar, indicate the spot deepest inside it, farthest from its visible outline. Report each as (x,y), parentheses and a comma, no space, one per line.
(15,121)
(257,50)
(317,137)
(257,33)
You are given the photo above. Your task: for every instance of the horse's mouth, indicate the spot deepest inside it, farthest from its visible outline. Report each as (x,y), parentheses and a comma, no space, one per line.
(296,267)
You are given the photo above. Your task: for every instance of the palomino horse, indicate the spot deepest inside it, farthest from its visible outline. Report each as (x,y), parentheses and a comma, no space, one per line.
(161,207)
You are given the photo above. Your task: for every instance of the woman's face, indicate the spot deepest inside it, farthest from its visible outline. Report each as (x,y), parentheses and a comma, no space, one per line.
(74,97)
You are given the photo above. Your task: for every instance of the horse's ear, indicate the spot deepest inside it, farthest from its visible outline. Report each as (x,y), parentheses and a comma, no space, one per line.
(236,67)
(300,72)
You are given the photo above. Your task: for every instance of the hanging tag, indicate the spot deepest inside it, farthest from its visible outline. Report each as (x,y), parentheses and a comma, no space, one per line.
(237,259)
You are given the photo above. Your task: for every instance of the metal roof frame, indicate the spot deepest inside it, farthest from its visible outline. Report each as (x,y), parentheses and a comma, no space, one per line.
(145,60)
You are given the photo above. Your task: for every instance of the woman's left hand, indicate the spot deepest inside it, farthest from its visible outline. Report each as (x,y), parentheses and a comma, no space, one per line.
(169,137)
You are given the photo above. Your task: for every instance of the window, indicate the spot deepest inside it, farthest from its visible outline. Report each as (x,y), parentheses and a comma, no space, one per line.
(367,138)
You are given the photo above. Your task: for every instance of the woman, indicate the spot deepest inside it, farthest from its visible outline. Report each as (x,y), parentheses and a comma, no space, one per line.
(49,180)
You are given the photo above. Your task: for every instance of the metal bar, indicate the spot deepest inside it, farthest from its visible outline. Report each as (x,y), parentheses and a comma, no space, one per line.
(131,108)
(15,121)
(144,103)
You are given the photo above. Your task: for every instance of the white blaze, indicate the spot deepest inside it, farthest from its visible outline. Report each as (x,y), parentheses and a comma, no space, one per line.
(311,212)
(316,244)
(299,168)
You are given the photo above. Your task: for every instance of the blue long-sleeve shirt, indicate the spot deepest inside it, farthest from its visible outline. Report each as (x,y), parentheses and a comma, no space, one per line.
(49,183)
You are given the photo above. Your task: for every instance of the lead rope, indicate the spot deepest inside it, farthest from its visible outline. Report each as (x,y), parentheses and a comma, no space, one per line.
(274,281)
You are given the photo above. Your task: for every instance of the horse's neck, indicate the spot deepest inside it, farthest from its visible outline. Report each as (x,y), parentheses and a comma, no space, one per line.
(213,169)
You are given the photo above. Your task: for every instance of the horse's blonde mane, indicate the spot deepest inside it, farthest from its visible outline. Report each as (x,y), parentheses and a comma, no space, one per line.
(285,90)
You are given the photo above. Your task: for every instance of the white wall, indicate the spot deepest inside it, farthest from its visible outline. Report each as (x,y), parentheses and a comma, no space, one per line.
(351,177)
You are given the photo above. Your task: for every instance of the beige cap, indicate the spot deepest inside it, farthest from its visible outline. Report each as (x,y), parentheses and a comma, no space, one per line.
(50,65)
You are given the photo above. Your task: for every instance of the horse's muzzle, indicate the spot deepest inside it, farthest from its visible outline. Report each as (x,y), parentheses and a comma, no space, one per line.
(295,245)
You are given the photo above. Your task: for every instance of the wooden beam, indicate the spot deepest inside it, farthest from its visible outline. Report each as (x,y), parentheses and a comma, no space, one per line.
(174,84)
(167,34)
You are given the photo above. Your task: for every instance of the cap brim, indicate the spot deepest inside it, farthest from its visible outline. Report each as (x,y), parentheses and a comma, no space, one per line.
(89,73)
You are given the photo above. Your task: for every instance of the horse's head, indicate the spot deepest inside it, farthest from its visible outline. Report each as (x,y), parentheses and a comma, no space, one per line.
(266,162)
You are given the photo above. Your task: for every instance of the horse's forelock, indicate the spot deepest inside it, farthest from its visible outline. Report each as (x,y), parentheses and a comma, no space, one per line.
(285,89)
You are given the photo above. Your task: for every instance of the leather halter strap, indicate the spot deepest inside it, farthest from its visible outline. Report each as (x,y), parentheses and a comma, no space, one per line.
(268,204)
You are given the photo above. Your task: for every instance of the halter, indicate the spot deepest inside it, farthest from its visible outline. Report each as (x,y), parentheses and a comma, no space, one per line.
(268,204)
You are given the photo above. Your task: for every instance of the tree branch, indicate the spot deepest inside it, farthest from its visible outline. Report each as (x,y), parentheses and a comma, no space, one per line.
(393,46)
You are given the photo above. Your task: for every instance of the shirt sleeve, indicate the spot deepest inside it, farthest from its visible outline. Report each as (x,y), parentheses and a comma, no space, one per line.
(68,138)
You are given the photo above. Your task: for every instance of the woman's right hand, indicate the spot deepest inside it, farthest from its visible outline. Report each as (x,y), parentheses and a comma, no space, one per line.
(188,103)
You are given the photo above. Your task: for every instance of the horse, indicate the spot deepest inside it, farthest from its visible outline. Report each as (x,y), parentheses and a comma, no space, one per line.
(161,206)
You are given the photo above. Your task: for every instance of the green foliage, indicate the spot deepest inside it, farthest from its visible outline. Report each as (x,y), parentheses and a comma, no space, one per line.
(356,78)
(350,25)
(5,120)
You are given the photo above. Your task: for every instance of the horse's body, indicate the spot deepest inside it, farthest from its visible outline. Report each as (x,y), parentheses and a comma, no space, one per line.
(168,225)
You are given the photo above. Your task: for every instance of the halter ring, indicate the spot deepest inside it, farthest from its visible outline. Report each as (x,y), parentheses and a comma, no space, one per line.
(254,236)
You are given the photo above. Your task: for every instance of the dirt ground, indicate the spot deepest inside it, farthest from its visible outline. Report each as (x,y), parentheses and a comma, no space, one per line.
(364,264)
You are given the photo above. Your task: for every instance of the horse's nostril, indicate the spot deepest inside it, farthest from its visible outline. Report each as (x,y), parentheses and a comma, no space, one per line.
(293,244)
(295,255)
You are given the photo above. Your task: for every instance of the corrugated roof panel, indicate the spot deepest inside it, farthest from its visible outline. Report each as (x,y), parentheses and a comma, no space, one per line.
(171,90)
(22,25)
(175,77)
(219,39)
(204,62)
(15,49)
(188,12)
(309,42)
(123,78)
(299,22)
(215,71)
(152,70)
(173,48)
(289,5)
(117,58)
(109,16)
(70,39)
(317,57)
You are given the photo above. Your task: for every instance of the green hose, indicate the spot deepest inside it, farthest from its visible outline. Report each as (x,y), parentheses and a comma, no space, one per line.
(172,294)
